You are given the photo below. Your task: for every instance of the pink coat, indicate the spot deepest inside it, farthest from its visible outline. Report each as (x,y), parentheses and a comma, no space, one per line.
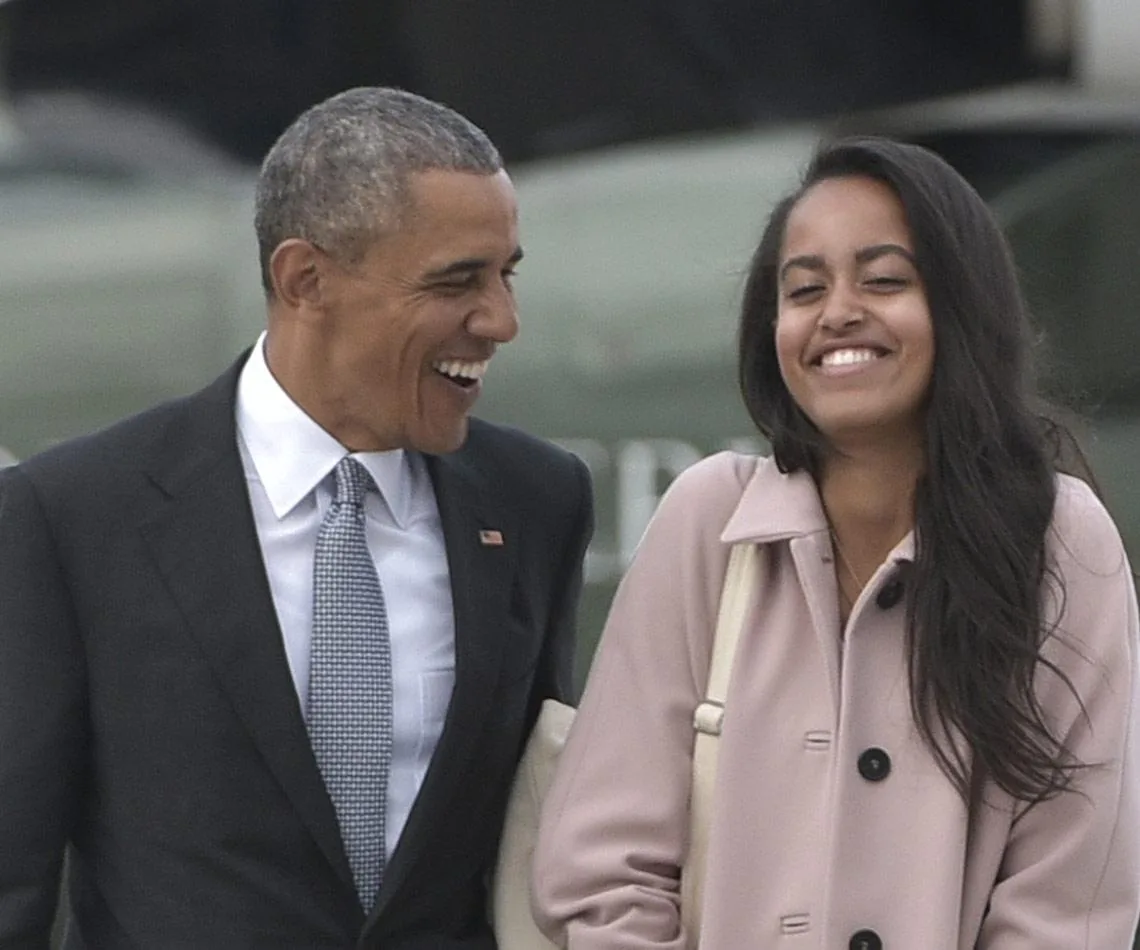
(805,852)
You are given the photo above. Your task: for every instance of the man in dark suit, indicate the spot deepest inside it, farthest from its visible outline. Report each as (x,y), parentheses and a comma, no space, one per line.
(201,694)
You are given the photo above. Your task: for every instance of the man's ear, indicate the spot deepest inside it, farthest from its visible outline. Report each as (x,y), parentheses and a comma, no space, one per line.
(296,269)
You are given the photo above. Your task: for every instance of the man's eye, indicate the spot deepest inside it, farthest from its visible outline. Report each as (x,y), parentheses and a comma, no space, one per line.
(456,286)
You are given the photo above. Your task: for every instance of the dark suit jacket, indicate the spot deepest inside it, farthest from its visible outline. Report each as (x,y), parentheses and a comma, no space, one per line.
(148,716)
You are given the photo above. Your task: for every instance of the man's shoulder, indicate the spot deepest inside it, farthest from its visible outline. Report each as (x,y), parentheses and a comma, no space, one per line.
(522,463)
(120,443)
(513,445)
(513,448)
(136,440)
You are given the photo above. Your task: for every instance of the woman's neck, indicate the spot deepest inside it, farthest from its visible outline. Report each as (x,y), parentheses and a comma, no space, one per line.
(869,501)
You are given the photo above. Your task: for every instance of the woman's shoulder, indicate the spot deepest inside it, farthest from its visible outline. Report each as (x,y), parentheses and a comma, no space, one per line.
(702,498)
(715,482)
(1083,537)
(721,470)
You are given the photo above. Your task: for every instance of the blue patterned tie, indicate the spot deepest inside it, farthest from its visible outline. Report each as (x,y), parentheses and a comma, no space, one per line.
(350,680)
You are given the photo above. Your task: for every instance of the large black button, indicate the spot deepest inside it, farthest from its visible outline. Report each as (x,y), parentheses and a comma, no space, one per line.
(865,940)
(890,593)
(874,765)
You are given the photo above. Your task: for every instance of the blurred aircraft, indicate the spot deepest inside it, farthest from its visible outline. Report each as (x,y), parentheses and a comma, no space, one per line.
(121,288)
(125,280)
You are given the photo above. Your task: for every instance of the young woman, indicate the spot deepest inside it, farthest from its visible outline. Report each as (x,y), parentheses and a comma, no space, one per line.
(929,738)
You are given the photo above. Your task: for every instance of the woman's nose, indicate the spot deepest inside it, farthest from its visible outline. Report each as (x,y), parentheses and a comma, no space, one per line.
(842,309)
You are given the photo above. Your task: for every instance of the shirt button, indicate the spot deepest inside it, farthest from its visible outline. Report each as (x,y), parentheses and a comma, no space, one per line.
(890,593)
(874,765)
(865,940)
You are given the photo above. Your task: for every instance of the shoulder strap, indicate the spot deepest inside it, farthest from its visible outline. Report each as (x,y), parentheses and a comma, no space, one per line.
(735,599)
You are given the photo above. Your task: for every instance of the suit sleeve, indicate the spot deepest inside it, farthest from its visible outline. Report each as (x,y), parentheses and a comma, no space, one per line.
(1070,873)
(556,676)
(42,720)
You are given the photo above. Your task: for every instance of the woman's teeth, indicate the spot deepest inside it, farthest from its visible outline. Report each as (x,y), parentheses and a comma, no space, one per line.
(848,357)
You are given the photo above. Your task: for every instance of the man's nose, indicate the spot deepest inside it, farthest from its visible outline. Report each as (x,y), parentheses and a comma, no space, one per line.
(496,318)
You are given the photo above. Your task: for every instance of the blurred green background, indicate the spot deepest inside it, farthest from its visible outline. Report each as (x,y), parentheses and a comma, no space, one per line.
(120,291)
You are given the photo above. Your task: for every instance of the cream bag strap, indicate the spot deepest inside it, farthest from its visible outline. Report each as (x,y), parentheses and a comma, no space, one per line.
(735,600)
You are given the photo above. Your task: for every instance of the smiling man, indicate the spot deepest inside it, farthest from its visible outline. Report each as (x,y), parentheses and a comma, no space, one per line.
(268,654)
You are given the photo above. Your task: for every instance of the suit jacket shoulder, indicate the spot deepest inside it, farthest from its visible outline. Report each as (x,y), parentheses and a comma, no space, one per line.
(532,469)
(198,429)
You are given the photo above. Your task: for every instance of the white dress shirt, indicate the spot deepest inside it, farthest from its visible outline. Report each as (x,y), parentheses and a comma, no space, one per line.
(289,461)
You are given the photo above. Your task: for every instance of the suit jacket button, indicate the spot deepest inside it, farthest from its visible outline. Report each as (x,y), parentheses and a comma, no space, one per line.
(890,593)
(865,940)
(874,765)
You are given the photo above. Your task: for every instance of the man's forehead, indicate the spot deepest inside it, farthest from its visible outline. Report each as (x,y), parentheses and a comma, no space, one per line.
(420,186)
(468,215)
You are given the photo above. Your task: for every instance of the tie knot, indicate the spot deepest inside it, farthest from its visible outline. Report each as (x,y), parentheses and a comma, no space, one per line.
(353,482)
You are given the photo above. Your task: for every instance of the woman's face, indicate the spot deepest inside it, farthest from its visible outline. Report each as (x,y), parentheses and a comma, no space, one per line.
(854,337)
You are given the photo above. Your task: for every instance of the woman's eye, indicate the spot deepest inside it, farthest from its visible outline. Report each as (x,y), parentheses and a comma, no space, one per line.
(803,291)
(886,282)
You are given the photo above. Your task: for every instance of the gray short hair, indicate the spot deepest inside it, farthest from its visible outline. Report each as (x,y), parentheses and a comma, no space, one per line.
(337,176)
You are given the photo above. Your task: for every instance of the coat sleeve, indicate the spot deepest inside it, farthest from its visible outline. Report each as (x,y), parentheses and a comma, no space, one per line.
(1070,874)
(614,827)
(42,719)
(556,676)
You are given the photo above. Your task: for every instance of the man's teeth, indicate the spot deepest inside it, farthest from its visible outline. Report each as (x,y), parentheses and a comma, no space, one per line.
(458,369)
(848,357)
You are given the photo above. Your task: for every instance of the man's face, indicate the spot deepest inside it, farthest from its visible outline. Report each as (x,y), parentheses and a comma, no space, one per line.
(405,335)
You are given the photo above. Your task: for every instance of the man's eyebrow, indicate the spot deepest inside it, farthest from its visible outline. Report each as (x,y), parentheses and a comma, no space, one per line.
(469,265)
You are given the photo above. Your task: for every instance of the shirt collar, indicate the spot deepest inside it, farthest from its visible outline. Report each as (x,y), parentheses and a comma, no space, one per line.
(291,454)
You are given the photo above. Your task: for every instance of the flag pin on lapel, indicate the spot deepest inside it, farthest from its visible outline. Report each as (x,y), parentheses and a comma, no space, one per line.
(491,538)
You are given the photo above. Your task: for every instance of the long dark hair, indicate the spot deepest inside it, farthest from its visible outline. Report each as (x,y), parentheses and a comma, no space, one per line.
(975,623)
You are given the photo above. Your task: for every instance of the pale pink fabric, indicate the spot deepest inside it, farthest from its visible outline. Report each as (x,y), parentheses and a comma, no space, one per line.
(804,852)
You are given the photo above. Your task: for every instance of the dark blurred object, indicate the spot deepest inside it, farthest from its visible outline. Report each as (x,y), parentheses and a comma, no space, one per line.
(544,78)
(235,73)
(541,77)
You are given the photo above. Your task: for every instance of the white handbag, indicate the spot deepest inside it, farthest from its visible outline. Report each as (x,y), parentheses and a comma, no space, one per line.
(511,917)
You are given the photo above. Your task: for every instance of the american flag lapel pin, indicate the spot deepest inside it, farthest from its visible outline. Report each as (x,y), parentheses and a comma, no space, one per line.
(491,538)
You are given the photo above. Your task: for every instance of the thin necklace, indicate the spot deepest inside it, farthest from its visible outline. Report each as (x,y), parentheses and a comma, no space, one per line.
(859,585)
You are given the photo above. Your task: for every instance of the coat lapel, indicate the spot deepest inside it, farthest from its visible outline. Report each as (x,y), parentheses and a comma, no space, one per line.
(204,542)
(481,568)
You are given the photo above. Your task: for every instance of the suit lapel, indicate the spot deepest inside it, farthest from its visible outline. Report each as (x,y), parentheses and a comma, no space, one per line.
(204,542)
(481,572)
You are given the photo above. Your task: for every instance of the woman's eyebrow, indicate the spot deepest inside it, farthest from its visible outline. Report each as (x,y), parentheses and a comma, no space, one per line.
(872,253)
(864,255)
(806,261)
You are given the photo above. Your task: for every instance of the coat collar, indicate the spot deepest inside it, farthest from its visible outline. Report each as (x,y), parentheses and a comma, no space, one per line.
(775,506)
